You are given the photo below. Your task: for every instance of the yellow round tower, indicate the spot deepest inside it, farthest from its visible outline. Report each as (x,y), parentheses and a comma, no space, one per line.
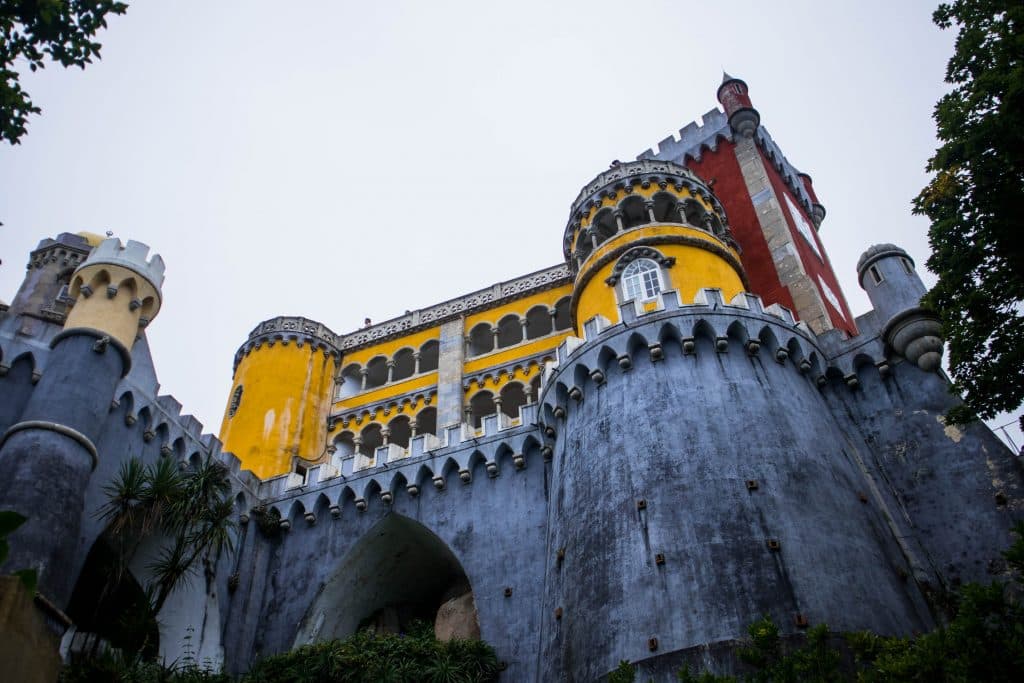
(642,229)
(280,396)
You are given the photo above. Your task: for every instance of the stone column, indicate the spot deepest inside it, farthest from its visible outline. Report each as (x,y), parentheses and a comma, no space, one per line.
(452,354)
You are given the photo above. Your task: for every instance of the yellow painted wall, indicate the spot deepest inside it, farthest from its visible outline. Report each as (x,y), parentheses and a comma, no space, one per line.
(520,307)
(113,316)
(511,353)
(389,348)
(286,396)
(361,421)
(402,386)
(694,269)
(639,192)
(523,374)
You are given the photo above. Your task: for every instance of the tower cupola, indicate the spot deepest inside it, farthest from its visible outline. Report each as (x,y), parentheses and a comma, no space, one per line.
(642,228)
(743,118)
(887,274)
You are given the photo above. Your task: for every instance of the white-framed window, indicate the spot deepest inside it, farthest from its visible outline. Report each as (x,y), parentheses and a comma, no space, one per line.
(641,280)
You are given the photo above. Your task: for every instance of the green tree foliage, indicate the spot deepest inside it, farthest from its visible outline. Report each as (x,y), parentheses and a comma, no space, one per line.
(9,522)
(975,202)
(191,509)
(415,657)
(983,641)
(34,30)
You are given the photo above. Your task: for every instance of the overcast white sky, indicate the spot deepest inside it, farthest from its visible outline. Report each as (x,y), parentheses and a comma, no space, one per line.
(342,160)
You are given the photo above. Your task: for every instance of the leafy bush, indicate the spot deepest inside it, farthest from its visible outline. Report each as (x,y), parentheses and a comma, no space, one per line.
(416,656)
(116,667)
(983,641)
(387,658)
(9,522)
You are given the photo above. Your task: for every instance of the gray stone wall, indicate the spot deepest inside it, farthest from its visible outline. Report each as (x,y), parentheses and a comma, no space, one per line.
(655,461)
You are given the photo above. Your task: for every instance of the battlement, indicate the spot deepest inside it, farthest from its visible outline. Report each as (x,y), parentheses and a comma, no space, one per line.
(287,329)
(695,138)
(134,256)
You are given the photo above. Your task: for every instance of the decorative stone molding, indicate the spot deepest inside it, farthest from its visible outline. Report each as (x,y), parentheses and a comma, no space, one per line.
(500,293)
(64,430)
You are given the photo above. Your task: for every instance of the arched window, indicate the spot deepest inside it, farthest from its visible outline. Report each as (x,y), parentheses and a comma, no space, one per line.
(641,280)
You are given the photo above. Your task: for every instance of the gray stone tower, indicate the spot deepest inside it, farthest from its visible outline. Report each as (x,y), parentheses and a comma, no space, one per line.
(887,274)
(47,457)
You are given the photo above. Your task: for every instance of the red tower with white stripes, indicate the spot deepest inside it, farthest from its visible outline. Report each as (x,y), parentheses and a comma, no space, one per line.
(772,208)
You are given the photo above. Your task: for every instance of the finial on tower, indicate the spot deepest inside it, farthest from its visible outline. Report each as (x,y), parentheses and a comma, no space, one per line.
(743,118)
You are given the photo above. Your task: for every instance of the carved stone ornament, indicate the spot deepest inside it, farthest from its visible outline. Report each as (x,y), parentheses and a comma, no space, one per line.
(633,255)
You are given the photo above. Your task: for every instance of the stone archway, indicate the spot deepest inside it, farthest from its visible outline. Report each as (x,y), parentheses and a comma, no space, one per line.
(397,573)
(110,608)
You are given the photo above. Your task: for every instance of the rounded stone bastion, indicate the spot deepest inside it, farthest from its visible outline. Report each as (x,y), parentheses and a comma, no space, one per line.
(698,483)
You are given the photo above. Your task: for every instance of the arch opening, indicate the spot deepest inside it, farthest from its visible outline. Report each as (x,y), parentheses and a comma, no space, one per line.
(398,573)
(108,605)
(429,355)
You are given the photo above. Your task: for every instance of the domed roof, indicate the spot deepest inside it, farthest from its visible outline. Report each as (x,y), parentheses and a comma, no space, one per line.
(91,238)
(878,251)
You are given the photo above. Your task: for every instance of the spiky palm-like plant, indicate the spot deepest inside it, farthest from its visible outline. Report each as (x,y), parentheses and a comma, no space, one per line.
(189,508)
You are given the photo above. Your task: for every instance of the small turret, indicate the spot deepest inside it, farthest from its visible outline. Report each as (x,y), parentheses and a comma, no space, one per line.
(118,292)
(817,210)
(887,274)
(743,118)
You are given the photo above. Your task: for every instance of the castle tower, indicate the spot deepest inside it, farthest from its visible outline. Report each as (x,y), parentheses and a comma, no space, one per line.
(699,479)
(47,458)
(743,118)
(44,293)
(773,209)
(641,229)
(281,395)
(887,274)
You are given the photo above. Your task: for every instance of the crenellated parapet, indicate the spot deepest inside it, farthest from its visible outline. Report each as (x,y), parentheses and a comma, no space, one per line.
(694,140)
(458,459)
(291,329)
(698,442)
(117,291)
(44,291)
